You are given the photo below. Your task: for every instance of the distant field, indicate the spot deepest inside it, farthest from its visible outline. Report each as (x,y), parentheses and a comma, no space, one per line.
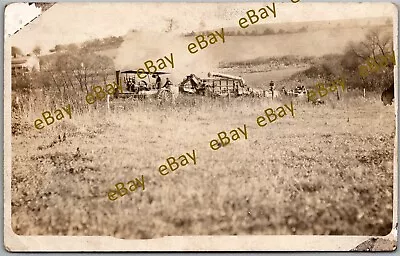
(301,44)
(329,170)
(261,80)
(238,48)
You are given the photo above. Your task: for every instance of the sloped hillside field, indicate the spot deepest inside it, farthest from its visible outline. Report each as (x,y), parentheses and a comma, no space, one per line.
(328,170)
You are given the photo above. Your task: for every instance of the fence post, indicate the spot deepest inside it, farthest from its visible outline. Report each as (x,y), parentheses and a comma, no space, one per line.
(364,92)
(108,102)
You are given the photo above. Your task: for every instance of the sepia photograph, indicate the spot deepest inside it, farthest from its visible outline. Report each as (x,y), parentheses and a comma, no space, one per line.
(244,121)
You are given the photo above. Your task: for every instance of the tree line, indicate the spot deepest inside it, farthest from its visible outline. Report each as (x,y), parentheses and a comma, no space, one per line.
(65,76)
(376,46)
(266,31)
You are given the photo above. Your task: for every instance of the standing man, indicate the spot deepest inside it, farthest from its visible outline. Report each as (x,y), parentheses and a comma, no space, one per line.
(129,84)
(272,88)
(158,82)
(133,84)
(167,84)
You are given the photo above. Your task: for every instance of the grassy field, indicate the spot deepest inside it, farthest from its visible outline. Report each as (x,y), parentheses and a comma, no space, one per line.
(329,170)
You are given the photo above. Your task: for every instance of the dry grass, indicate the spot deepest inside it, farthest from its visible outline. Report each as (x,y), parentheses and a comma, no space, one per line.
(329,170)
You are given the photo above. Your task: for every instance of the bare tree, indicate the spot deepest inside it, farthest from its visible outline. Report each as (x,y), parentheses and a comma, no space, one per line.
(376,43)
(71,73)
(372,60)
(37,50)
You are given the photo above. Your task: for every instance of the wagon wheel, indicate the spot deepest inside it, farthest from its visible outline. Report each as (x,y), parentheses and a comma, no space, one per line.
(165,95)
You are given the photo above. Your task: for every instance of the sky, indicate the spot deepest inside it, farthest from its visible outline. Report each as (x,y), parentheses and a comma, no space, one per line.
(77,22)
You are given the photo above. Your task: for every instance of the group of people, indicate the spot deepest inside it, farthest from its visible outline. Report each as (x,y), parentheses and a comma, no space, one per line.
(167,84)
(132,86)
(299,90)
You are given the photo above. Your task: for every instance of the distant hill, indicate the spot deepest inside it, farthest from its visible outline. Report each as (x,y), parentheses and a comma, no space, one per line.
(298,27)
(111,42)
(293,39)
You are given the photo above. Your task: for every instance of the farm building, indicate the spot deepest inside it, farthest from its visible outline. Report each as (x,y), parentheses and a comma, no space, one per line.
(24,64)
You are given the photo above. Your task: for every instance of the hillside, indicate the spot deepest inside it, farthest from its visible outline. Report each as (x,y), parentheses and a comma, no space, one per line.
(294,27)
